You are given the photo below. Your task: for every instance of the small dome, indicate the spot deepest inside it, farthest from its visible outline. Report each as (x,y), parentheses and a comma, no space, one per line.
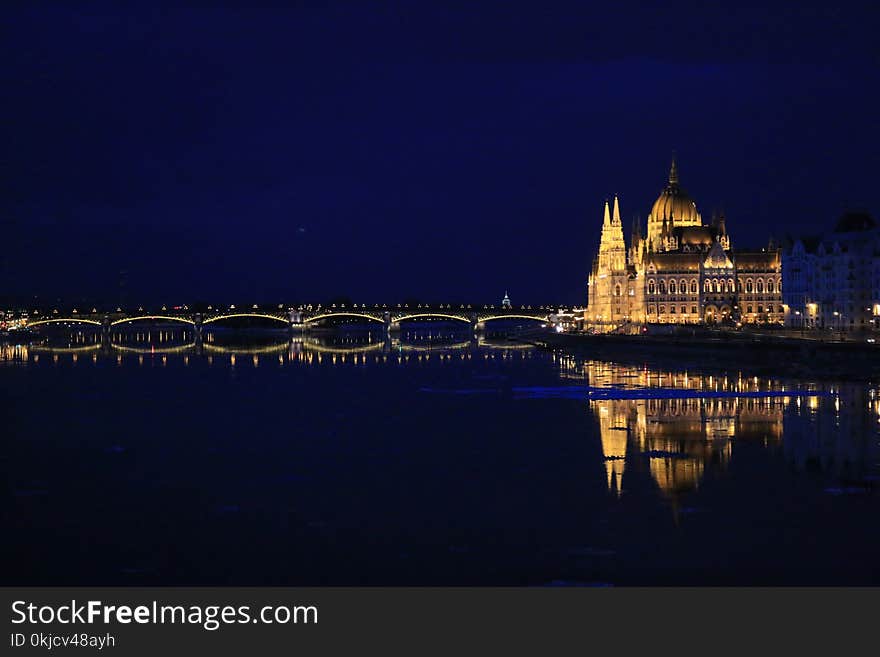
(854,221)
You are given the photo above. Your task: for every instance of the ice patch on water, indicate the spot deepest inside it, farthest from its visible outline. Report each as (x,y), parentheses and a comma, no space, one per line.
(590,552)
(848,490)
(461,391)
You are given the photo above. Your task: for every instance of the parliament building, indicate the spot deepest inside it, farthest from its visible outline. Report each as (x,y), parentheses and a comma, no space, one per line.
(680,271)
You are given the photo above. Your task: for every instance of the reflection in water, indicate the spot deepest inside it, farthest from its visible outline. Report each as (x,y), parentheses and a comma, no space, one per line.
(679,436)
(673,425)
(156,346)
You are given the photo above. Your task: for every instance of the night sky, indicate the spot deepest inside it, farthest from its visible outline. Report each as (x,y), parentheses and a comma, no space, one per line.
(434,151)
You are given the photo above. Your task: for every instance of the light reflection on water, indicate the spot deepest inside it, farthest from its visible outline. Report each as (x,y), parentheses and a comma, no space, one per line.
(668,440)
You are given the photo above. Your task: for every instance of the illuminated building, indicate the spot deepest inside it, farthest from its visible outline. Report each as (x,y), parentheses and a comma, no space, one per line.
(834,281)
(681,272)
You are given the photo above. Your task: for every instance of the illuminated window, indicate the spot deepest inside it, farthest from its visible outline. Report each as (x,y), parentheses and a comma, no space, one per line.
(651,286)
(770,286)
(694,286)
(671,287)
(684,310)
(707,287)
(694,310)
(662,286)
(759,286)
(749,287)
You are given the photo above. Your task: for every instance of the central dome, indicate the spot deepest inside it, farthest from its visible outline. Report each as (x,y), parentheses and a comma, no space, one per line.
(674,206)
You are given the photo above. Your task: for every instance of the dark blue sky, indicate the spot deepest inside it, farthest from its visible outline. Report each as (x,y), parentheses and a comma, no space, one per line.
(431,150)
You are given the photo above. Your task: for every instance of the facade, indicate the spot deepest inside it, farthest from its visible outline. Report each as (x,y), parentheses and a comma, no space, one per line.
(681,272)
(833,282)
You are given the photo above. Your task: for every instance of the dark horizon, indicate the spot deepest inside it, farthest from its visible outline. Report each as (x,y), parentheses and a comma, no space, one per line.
(444,152)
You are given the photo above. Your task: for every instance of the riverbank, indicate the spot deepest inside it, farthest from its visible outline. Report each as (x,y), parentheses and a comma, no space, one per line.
(760,355)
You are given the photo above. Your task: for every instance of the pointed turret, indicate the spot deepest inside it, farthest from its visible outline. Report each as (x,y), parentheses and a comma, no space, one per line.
(607,219)
(616,216)
(673,171)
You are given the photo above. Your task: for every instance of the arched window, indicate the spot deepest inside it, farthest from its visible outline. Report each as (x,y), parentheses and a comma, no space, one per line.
(617,290)
(739,285)
(723,285)
(730,287)
(693,286)
(671,287)
(662,286)
(759,286)
(707,285)
(770,285)
(683,286)
(651,286)
(716,285)
(749,286)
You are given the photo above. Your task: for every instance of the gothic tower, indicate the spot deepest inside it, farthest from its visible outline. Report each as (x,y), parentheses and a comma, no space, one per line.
(608,304)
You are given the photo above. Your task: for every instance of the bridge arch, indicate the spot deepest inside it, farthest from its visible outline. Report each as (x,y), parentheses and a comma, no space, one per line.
(317,318)
(234,315)
(494,317)
(457,318)
(64,320)
(126,320)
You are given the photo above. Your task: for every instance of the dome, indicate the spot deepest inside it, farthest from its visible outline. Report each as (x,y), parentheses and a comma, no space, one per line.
(674,205)
(854,221)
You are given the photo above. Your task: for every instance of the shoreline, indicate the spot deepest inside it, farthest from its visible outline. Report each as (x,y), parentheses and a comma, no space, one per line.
(765,356)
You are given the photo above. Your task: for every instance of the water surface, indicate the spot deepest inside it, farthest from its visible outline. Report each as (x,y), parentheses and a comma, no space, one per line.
(426,458)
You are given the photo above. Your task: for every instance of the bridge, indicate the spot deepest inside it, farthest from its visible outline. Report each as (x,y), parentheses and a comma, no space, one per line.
(295,318)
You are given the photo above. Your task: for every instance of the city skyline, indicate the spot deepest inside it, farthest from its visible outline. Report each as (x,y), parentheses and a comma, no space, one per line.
(318,153)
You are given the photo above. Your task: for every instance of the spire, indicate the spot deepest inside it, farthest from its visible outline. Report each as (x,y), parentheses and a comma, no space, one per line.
(637,228)
(607,220)
(616,216)
(673,171)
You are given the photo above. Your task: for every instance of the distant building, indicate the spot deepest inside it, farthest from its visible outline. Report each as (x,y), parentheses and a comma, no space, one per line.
(833,281)
(505,302)
(682,272)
